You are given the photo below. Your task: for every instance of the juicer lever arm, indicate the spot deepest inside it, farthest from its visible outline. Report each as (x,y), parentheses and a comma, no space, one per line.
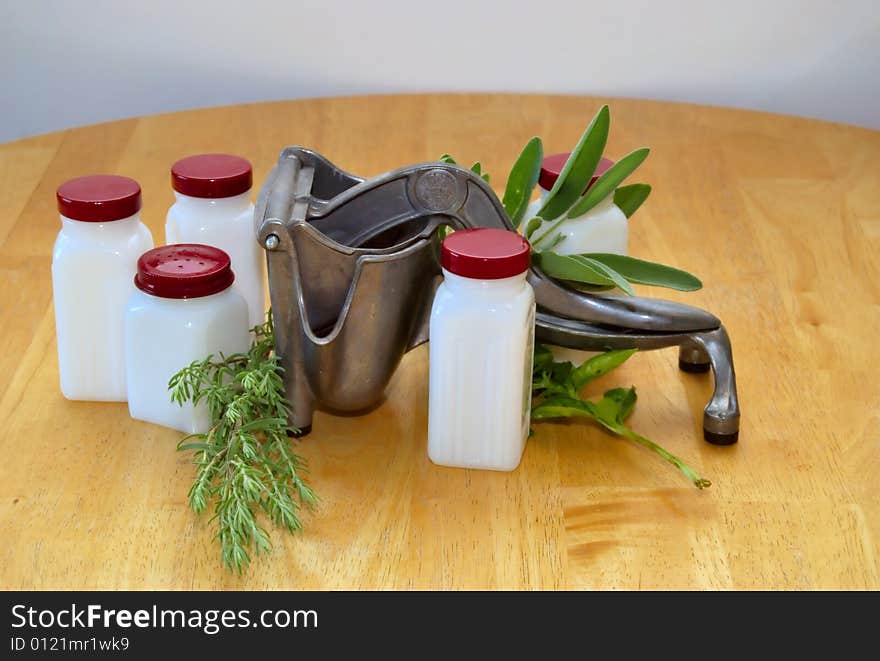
(467,201)
(430,194)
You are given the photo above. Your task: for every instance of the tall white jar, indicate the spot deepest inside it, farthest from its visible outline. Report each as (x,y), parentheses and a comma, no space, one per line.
(184,309)
(604,228)
(481,352)
(213,207)
(93,267)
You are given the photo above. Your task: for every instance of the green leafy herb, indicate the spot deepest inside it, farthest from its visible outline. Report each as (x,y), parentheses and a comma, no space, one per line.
(477,169)
(610,273)
(579,168)
(522,180)
(609,270)
(608,181)
(245,462)
(531,226)
(647,273)
(630,198)
(597,366)
(557,385)
(572,268)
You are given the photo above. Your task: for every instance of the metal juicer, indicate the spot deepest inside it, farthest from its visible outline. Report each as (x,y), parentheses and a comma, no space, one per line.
(354,264)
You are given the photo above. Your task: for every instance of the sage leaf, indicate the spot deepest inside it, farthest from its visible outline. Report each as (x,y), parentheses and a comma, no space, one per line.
(579,168)
(532,226)
(630,198)
(598,366)
(522,180)
(566,267)
(643,272)
(613,275)
(610,179)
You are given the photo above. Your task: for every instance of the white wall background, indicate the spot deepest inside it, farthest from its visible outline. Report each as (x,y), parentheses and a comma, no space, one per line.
(68,63)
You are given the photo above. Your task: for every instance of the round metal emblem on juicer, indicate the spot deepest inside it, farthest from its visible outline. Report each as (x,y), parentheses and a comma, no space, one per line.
(438,190)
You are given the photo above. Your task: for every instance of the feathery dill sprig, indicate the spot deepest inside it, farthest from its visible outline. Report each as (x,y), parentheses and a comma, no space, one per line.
(245,462)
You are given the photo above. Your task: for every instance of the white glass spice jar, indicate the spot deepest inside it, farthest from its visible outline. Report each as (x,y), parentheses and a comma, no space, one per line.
(604,228)
(481,352)
(184,308)
(213,207)
(93,264)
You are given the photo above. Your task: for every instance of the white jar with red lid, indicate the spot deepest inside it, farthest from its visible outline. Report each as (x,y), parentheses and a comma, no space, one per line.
(213,207)
(604,228)
(93,265)
(184,308)
(481,351)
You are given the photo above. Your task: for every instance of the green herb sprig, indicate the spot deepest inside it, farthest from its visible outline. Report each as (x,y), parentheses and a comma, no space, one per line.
(556,387)
(245,462)
(570,197)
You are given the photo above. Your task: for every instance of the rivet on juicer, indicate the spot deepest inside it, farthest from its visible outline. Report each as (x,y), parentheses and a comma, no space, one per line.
(353,267)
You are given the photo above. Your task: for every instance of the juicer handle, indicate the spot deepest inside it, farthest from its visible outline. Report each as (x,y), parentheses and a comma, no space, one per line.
(431,194)
(480,207)
(301,182)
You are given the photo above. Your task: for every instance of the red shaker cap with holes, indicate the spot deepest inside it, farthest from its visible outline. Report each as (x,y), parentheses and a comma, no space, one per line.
(184,270)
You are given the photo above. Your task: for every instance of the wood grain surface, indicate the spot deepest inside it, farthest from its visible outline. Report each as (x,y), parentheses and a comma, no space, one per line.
(779,216)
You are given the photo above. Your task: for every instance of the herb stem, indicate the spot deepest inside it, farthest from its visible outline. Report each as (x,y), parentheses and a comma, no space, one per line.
(689,473)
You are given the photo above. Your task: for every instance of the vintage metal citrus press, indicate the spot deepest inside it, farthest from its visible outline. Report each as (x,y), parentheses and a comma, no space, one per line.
(353,266)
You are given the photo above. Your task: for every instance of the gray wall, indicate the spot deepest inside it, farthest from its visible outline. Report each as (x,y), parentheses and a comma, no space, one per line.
(71,63)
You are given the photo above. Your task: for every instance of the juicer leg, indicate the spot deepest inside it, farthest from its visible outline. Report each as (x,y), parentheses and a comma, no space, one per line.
(300,397)
(287,319)
(693,358)
(721,415)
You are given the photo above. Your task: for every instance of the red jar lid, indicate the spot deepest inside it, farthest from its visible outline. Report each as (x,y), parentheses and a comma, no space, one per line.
(552,165)
(212,175)
(485,254)
(184,270)
(99,198)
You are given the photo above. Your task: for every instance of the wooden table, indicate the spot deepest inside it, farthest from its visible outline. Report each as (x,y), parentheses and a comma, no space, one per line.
(779,216)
